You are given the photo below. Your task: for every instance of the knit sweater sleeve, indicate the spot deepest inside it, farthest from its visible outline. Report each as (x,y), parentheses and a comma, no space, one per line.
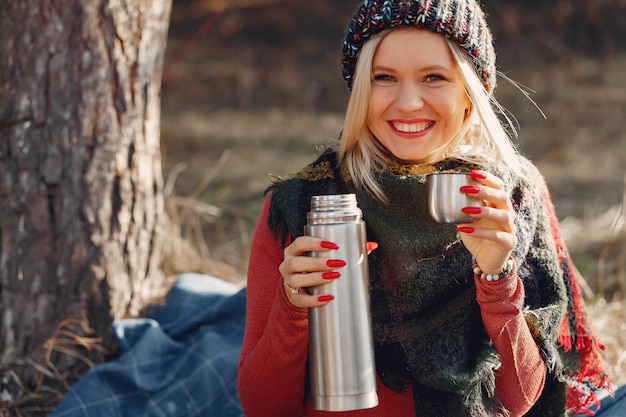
(521,377)
(275,346)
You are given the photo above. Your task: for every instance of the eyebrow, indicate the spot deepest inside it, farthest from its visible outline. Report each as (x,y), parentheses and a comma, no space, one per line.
(423,69)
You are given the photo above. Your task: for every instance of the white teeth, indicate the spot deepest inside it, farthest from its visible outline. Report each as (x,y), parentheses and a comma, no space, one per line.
(411,127)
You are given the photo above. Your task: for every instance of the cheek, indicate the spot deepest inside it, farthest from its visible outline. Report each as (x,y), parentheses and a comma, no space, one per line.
(462,103)
(450,101)
(454,109)
(380,100)
(373,106)
(457,113)
(374,113)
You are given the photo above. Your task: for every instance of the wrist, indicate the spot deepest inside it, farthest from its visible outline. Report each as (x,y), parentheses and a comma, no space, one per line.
(505,272)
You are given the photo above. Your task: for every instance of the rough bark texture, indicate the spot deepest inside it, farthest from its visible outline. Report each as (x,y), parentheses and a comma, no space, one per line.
(81,213)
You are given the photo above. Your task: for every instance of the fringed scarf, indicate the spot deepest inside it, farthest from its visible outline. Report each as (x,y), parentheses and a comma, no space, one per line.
(576,335)
(427,326)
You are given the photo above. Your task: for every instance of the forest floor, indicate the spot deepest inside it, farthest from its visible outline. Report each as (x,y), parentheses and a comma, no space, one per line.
(238,111)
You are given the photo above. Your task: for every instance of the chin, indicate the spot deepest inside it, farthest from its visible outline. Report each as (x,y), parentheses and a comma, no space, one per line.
(407,160)
(411,158)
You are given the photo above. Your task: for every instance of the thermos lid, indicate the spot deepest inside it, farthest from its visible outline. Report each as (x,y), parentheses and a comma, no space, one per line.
(334,208)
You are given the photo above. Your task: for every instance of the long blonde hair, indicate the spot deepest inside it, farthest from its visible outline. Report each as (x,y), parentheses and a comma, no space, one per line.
(481,138)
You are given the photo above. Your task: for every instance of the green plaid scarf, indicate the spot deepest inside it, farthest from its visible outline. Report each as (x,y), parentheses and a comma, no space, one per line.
(428,331)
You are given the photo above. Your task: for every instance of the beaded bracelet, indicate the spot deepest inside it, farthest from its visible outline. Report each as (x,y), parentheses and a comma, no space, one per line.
(494,277)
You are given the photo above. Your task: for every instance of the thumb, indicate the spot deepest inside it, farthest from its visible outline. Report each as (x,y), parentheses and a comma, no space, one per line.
(371,246)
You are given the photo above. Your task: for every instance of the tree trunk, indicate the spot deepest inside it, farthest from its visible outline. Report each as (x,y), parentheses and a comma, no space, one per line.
(81,213)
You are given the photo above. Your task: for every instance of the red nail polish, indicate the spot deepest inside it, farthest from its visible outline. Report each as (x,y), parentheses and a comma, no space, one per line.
(467,230)
(479,175)
(472,210)
(470,189)
(331,275)
(370,246)
(323,298)
(335,263)
(328,245)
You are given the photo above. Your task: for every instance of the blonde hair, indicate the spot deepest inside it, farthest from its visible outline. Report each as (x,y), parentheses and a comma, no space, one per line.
(482,137)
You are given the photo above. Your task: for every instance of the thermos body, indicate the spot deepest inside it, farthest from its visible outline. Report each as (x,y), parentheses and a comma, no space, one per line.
(341,350)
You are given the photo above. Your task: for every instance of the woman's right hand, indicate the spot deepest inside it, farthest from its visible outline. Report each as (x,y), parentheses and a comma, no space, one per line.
(301,271)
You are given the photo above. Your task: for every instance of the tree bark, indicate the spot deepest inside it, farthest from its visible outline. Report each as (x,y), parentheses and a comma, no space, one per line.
(81,212)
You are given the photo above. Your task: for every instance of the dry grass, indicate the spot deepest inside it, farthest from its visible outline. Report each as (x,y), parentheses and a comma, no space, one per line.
(73,342)
(609,320)
(605,236)
(190,222)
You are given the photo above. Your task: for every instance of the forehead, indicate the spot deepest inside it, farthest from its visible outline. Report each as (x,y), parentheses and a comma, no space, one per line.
(409,45)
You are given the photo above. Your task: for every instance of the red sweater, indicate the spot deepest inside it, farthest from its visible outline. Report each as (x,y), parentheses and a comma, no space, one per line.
(272,366)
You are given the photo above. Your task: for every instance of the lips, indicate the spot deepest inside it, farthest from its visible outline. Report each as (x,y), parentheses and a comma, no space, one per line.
(412,127)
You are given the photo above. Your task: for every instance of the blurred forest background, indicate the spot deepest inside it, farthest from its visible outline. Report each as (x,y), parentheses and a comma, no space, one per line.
(252,89)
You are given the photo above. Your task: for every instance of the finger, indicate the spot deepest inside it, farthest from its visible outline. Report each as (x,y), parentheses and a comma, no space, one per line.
(506,240)
(301,264)
(491,217)
(490,197)
(304,300)
(301,245)
(371,246)
(310,279)
(295,265)
(304,244)
(487,178)
(290,287)
(296,288)
(492,192)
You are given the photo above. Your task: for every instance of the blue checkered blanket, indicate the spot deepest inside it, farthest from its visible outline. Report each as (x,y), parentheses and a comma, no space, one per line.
(180,361)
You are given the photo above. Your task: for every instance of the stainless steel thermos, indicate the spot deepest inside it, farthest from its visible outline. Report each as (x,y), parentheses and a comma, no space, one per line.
(341,348)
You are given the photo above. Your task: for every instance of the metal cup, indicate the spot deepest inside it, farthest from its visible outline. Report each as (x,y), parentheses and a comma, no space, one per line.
(445,200)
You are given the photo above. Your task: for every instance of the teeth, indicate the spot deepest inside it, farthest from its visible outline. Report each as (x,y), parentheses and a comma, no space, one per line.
(412,127)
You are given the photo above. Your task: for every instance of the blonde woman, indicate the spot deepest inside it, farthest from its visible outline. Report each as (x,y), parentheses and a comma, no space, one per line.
(469,319)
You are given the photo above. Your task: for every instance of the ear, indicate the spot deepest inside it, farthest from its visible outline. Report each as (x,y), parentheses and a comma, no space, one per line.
(468,107)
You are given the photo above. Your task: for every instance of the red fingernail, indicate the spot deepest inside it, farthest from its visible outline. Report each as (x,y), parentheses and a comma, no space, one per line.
(331,275)
(335,263)
(370,246)
(328,245)
(324,298)
(479,175)
(470,189)
(465,229)
(472,210)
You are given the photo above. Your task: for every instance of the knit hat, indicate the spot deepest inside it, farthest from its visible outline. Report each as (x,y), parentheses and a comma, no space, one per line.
(461,21)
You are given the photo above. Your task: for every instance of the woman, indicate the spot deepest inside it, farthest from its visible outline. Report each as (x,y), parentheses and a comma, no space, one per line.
(448,342)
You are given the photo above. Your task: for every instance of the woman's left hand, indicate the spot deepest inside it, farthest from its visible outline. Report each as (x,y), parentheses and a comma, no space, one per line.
(491,236)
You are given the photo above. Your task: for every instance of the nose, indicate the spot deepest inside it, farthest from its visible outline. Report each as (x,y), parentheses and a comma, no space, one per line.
(409,98)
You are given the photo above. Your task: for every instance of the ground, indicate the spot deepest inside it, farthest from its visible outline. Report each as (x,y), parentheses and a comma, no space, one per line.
(253,92)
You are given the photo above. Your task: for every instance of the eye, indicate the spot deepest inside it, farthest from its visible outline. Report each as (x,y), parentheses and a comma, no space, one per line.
(435,78)
(384,78)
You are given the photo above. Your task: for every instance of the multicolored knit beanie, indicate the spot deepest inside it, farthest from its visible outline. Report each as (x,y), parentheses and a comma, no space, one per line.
(462,21)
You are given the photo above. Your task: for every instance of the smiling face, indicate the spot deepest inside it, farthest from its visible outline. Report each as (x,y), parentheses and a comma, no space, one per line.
(418,101)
